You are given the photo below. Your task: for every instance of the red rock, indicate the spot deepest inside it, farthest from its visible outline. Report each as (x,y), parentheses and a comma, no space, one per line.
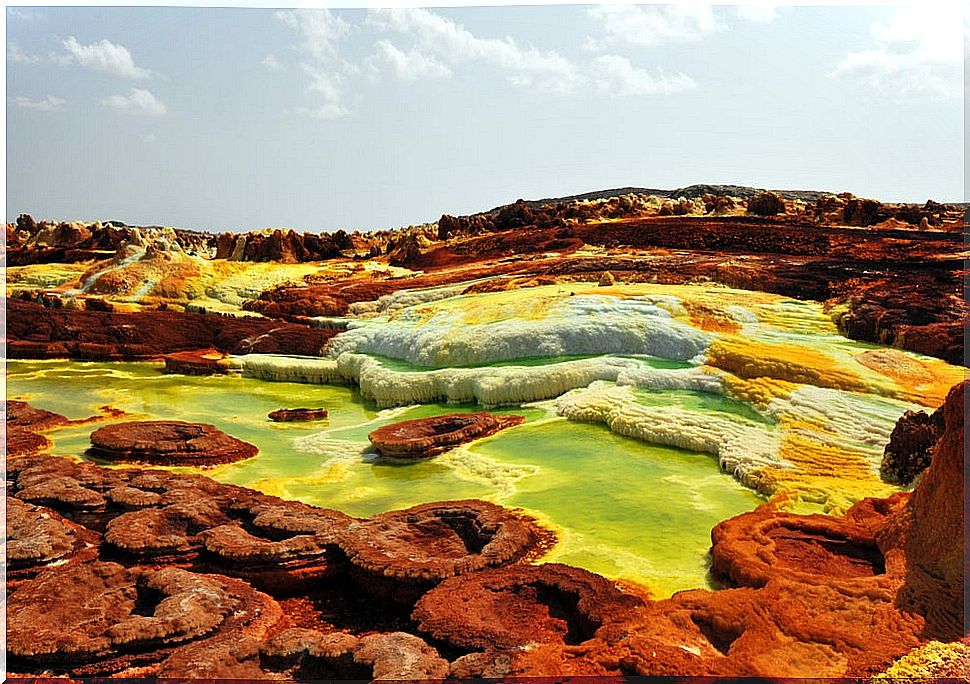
(519,605)
(298,415)
(279,547)
(38,537)
(39,332)
(404,553)
(22,415)
(168,442)
(923,541)
(426,437)
(21,442)
(130,618)
(397,656)
(753,548)
(196,362)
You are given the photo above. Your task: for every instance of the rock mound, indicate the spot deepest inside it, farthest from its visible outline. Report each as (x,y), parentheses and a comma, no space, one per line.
(168,442)
(424,437)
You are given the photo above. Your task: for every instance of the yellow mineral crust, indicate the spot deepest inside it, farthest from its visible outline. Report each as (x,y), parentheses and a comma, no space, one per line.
(932,661)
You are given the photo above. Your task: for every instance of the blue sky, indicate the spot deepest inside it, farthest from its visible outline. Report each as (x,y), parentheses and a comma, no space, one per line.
(313,119)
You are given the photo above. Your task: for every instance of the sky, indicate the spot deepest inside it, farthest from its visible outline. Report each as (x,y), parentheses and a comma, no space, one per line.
(242,119)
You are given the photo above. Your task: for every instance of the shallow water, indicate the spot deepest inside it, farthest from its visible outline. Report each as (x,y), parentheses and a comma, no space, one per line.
(622,508)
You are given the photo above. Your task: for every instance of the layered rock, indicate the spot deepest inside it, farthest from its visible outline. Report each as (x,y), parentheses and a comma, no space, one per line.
(426,437)
(38,332)
(298,415)
(38,537)
(282,246)
(280,547)
(402,554)
(519,605)
(132,619)
(168,442)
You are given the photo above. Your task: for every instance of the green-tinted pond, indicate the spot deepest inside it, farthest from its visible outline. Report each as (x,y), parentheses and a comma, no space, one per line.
(622,508)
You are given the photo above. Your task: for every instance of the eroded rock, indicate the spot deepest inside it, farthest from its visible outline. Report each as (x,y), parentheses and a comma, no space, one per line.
(519,605)
(404,553)
(168,442)
(425,437)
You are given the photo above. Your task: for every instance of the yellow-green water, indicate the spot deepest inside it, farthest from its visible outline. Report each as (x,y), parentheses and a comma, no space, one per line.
(622,508)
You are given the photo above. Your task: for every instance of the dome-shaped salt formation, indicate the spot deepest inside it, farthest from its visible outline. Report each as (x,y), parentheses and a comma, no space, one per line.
(424,437)
(168,442)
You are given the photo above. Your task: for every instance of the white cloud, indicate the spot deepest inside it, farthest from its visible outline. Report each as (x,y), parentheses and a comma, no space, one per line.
(105,56)
(321,31)
(651,24)
(762,12)
(615,75)
(16,54)
(138,101)
(271,63)
(919,52)
(48,104)
(453,44)
(407,66)
(324,112)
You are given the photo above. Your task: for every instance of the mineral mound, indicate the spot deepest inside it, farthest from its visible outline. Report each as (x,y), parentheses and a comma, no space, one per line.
(168,442)
(426,437)
(298,415)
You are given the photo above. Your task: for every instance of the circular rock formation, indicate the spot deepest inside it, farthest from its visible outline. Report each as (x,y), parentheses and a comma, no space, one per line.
(278,546)
(404,553)
(752,548)
(520,605)
(426,437)
(101,618)
(168,442)
(298,415)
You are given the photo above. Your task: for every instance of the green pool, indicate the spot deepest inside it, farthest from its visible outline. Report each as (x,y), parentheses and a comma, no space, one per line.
(622,508)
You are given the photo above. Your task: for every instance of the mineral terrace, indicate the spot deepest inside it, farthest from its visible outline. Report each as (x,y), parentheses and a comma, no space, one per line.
(716,431)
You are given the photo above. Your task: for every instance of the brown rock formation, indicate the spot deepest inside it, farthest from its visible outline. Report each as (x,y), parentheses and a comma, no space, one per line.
(518,605)
(168,442)
(425,437)
(402,554)
(910,446)
(766,204)
(38,332)
(310,655)
(196,362)
(131,618)
(38,537)
(298,415)
(280,547)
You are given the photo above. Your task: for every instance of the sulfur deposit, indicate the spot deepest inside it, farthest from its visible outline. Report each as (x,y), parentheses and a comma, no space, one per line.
(770,378)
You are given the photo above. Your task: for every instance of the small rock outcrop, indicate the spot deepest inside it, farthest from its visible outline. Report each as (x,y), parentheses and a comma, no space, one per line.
(298,415)
(168,442)
(425,437)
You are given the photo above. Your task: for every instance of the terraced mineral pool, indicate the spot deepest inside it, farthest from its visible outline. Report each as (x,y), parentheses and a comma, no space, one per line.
(622,508)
